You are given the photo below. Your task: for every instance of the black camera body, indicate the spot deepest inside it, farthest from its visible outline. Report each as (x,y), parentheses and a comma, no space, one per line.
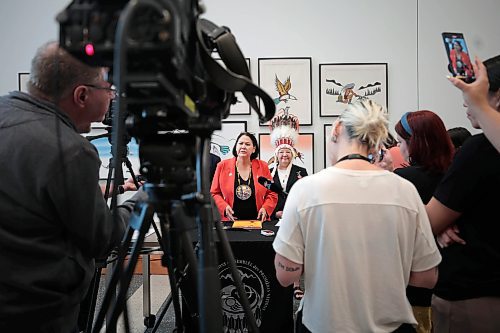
(160,53)
(163,68)
(152,48)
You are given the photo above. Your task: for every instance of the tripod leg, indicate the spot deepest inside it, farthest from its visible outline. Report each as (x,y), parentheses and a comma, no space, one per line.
(131,170)
(158,235)
(113,281)
(209,297)
(149,319)
(108,181)
(92,295)
(161,313)
(139,221)
(169,254)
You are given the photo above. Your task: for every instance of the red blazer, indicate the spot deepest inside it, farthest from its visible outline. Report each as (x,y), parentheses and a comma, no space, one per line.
(222,189)
(465,60)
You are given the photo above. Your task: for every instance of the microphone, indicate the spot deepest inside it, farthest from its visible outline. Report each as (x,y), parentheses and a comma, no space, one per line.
(270,185)
(94,137)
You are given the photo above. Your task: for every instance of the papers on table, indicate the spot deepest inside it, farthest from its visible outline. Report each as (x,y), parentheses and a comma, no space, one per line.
(247,224)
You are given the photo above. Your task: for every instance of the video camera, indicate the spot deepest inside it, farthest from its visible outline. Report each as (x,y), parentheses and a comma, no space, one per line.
(167,47)
(160,53)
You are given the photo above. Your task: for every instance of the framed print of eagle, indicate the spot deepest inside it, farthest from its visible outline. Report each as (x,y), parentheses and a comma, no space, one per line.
(288,82)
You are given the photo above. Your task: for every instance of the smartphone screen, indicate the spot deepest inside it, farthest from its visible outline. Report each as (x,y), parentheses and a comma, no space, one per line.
(459,61)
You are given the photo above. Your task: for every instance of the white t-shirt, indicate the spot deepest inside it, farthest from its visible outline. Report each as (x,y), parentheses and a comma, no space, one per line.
(358,234)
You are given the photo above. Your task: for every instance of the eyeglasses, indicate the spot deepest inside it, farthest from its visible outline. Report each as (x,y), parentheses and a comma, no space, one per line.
(111,89)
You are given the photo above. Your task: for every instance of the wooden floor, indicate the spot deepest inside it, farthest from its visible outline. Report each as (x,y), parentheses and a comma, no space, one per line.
(155,267)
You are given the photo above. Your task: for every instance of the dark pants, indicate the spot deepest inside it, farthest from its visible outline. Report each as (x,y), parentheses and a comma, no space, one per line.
(301,328)
(472,315)
(33,323)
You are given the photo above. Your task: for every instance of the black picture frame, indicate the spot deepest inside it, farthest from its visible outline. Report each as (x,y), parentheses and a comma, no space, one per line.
(335,79)
(327,129)
(245,108)
(223,140)
(22,79)
(271,70)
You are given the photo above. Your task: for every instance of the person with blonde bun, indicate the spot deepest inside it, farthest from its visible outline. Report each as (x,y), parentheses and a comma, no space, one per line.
(358,234)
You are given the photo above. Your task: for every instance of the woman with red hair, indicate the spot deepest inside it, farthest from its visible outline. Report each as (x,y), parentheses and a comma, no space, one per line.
(426,145)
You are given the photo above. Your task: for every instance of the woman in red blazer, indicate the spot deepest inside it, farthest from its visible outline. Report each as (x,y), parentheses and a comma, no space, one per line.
(460,60)
(235,189)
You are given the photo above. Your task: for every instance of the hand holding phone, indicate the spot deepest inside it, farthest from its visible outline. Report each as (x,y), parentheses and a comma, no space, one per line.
(459,62)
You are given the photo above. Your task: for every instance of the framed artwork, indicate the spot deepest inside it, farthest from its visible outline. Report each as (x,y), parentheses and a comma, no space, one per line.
(305,145)
(223,140)
(341,84)
(241,107)
(326,157)
(104,149)
(22,81)
(288,82)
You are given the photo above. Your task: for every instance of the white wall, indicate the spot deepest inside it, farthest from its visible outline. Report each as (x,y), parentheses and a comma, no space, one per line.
(328,32)
(403,33)
(24,26)
(478,20)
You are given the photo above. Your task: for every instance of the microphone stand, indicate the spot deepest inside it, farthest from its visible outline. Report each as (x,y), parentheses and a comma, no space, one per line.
(271,186)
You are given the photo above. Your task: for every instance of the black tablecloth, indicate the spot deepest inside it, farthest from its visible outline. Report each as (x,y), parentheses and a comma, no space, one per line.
(271,304)
(246,235)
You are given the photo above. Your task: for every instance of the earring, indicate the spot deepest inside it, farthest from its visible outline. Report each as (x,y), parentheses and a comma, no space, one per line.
(334,138)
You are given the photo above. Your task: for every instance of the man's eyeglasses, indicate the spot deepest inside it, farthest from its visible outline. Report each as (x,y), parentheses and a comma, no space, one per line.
(111,89)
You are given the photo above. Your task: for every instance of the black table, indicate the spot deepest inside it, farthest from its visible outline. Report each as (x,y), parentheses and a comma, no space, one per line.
(271,304)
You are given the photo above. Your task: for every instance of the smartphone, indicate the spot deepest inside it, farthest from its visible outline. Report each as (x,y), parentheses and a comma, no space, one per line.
(459,60)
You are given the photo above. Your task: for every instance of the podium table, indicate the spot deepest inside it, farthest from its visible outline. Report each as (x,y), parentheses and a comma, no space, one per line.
(271,304)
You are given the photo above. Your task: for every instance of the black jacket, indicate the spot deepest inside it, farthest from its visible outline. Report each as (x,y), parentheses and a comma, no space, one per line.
(53,218)
(296,173)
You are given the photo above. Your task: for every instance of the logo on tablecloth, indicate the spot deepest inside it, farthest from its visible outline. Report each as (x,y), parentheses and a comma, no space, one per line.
(258,292)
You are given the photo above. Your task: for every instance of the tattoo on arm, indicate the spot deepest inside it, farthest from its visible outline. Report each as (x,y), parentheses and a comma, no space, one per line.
(287,268)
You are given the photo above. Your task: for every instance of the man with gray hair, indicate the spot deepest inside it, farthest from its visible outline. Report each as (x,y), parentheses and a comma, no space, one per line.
(54,219)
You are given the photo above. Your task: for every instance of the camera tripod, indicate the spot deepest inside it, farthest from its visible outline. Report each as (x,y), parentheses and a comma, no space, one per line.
(89,304)
(179,210)
(179,86)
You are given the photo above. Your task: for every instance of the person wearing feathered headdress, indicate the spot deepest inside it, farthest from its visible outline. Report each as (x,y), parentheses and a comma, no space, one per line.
(284,136)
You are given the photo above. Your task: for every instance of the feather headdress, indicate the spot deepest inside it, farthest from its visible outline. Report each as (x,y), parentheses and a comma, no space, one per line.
(284,132)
